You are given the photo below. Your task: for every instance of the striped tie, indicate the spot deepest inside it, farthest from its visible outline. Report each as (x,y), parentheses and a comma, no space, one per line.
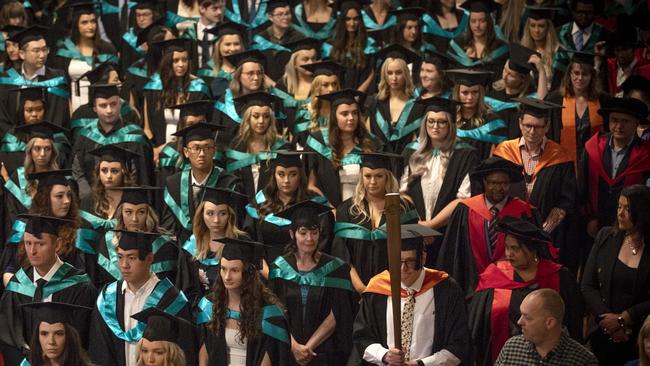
(492,229)
(580,41)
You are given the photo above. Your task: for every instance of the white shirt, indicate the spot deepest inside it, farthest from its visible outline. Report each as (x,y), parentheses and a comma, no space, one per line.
(75,70)
(423,331)
(133,304)
(622,74)
(499,205)
(196,185)
(39,72)
(200,28)
(48,276)
(171,122)
(586,33)
(236,349)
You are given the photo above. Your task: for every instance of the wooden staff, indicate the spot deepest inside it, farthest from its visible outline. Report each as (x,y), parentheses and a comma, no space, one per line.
(392,211)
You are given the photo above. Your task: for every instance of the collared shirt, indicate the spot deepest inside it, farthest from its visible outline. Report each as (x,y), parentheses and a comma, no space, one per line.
(623,73)
(196,185)
(133,304)
(586,33)
(519,351)
(422,336)
(39,72)
(499,206)
(618,154)
(48,276)
(200,29)
(530,161)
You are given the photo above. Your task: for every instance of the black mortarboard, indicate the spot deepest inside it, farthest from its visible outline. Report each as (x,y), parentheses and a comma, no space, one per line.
(145,4)
(378,160)
(526,232)
(327,68)
(199,131)
(139,240)
(173,45)
(287,159)
(195,108)
(630,106)
(274,4)
(636,82)
(625,36)
(413,238)
(237,59)
(583,58)
(342,6)
(410,13)
(99,74)
(83,7)
(496,164)
(246,251)
(397,51)
(304,214)
(303,44)
(469,77)
(136,195)
(31,93)
(540,12)
(536,107)
(519,56)
(480,6)
(143,34)
(441,60)
(226,28)
(345,96)
(43,129)
(54,312)
(52,177)
(259,98)
(161,326)
(11,30)
(102,90)
(222,196)
(438,104)
(41,224)
(33,33)
(114,153)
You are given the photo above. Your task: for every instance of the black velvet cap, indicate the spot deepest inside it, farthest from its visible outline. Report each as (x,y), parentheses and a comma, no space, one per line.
(258,98)
(238,59)
(136,195)
(327,68)
(41,224)
(519,56)
(195,108)
(29,34)
(221,196)
(480,6)
(397,51)
(103,90)
(409,13)
(31,93)
(11,30)
(54,312)
(199,131)
(288,159)
(226,28)
(636,82)
(540,12)
(304,44)
(524,231)
(345,96)
(249,252)
(161,326)
(378,160)
(469,77)
(83,7)
(437,104)
(536,107)
(630,106)
(43,129)
(304,214)
(114,153)
(173,45)
(496,164)
(139,240)
(52,177)
(342,6)
(413,238)
(274,4)
(100,72)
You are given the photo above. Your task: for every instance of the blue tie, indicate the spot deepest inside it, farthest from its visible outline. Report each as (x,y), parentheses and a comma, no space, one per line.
(580,42)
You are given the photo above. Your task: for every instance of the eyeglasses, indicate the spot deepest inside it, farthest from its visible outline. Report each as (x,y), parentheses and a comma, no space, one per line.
(37,51)
(410,263)
(437,122)
(251,74)
(199,149)
(282,15)
(528,127)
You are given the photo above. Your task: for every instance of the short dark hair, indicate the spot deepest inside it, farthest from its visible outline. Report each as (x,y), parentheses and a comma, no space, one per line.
(638,197)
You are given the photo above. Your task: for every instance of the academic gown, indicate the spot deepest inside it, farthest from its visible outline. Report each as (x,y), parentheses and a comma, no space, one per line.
(66,51)
(111,15)
(361,245)
(290,106)
(378,32)
(494,307)
(484,137)
(85,116)
(320,31)
(450,330)
(439,37)
(136,77)
(239,163)
(16,201)
(12,152)
(226,114)
(464,252)
(129,51)
(108,339)
(501,104)
(69,285)
(329,291)
(394,135)
(301,123)
(276,54)
(493,62)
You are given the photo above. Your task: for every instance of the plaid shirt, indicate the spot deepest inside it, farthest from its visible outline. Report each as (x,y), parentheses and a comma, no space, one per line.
(519,351)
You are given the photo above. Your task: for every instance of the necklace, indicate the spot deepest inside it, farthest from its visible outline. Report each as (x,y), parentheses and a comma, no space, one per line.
(635,249)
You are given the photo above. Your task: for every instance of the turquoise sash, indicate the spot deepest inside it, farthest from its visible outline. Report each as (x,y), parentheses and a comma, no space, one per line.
(172,19)
(288,101)
(270,218)
(500,105)
(352,157)
(85,238)
(303,26)
(432,27)
(57,85)
(227,107)
(69,50)
(11,143)
(235,16)
(401,128)
(198,86)
(315,278)
(205,311)
(349,230)
(243,159)
(19,190)
(128,133)
(154,83)
(190,247)
(301,127)
(97,222)
(17,232)
(181,211)
(107,302)
(109,264)
(137,71)
(168,157)
(26,287)
(371,24)
(25,363)
(484,133)
(262,44)
(461,57)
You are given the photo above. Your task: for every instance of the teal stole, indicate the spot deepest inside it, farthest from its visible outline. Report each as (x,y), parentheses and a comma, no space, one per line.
(304,115)
(402,127)
(288,101)
(371,24)
(67,49)
(324,33)
(132,40)
(17,232)
(325,150)
(235,15)
(484,132)
(271,218)
(57,85)
(181,210)
(140,72)
(25,286)
(497,105)
(190,247)
(25,363)
(19,190)
(316,278)
(11,143)
(172,19)
(97,222)
(84,240)
(205,311)
(349,230)
(431,26)
(262,44)
(78,123)
(107,303)
(227,107)
(458,54)
(242,159)
(128,133)
(196,85)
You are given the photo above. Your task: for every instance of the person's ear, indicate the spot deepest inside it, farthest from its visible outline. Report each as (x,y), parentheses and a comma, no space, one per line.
(292,234)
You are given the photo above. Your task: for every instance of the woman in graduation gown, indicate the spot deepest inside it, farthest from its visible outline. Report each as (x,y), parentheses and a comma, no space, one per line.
(333,171)
(360,229)
(287,186)
(443,23)
(350,47)
(11,57)
(216,217)
(541,36)
(314,18)
(407,31)
(436,176)
(229,40)
(528,265)
(81,51)
(377,19)
(247,325)
(173,84)
(164,339)
(316,289)
(250,153)
(433,81)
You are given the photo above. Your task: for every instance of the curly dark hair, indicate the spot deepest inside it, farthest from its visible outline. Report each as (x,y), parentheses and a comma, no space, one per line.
(273,203)
(492,42)
(397,34)
(73,354)
(361,135)
(173,87)
(255,295)
(348,49)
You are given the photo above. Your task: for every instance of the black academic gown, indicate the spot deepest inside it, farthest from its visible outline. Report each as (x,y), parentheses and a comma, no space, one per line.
(106,349)
(85,116)
(17,323)
(483,141)
(277,60)
(136,77)
(450,330)
(394,135)
(237,153)
(16,200)
(304,319)
(104,50)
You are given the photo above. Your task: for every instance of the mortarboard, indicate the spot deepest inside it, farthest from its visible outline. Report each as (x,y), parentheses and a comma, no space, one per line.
(413,238)
(496,164)
(222,196)
(54,312)
(136,195)
(226,28)
(114,153)
(11,30)
(140,240)
(536,107)
(287,159)
(437,104)
(52,177)
(238,59)
(480,6)
(33,33)
(102,90)
(43,129)
(303,44)
(173,45)
(195,108)
(199,131)
(249,252)
(161,326)
(342,6)
(378,160)
(274,4)
(99,74)
(327,68)
(469,77)
(583,58)
(259,98)
(629,106)
(83,7)
(410,13)
(304,214)
(519,56)
(41,224)
(540,12)
(345,96)
(636,82)
(32,93)
(526,232)
(397,51)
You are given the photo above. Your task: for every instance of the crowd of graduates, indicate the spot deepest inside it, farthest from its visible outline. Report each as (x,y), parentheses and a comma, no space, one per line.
(203,182)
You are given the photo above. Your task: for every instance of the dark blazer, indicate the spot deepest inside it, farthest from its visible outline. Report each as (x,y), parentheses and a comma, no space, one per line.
(597,280)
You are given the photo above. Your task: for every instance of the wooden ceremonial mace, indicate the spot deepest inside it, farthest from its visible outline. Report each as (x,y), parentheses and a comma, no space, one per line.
(394,242)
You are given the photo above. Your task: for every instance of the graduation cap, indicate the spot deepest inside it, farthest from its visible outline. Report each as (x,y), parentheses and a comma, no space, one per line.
(625,36)
(222,196)
(146,4)
(54,312)
(519,56)
(378,160)
(437,104)
(83,7)
(11,30)
(288,159)
(441,60)
(136,195)
(304,214)
(51,177)
(259,98)
(43,129)
(526,232)
(410,13)
(629,106)
(274,4)
(195,108)
(413,237)
(345,96)
(199,131)
(579,57)
(496,164)
(41,224)
(140,240)
(114,153)
(536,107)
(469,77)
(100,72)
(33,33)
(480,6)
(226,28)
(249,252)
(173,45)
(238,59)
(303,44)
(327,68)
(540,12)
(103,90)
(342,6)
(161,326)
(397,51)
(636,82)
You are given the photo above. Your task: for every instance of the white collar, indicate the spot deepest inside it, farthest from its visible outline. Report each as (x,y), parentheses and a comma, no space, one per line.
(417,285)
(39,72)
(586,31)
(151,282)
(498,205)
(48,276)
(196,182)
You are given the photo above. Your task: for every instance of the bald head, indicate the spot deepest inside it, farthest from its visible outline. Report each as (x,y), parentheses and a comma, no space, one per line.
(550,301)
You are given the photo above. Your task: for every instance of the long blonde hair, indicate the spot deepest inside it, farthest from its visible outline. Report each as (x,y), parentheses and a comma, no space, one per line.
(358,208)
(551,45)
(478,118)
(290,76)
(30,167)
(202,233)
(418,162)
(314,105)
(384,88)
(216,55)
(245,133)
(235,84)
(644,333)
(511,14)
(152,223)
(174,354)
